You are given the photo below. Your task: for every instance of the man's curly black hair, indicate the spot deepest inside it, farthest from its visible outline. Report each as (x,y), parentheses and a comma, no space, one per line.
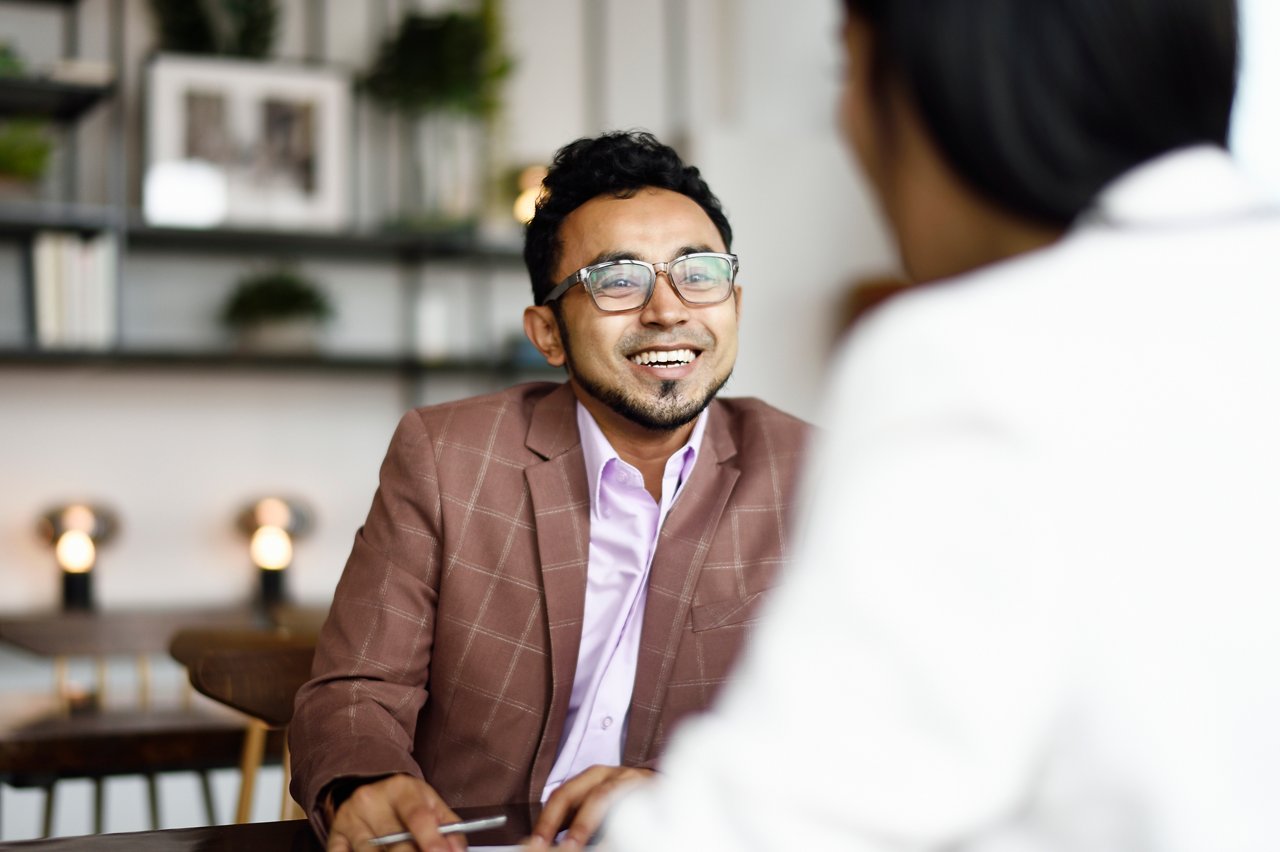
(619,163)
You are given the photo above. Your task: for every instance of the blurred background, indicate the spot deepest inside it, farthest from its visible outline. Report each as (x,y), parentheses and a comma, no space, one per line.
(239,239)
(344,160)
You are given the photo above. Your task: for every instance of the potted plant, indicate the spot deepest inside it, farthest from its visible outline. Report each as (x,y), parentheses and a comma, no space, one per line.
(243,28)
(441,74)
(11,64)
(25,144)
(25,148)
(276,310)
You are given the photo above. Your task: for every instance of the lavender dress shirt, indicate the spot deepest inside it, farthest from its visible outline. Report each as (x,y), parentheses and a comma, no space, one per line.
(624,533)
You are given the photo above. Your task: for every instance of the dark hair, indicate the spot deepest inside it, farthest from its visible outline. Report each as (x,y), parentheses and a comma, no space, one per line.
(1038,104)
(618,164)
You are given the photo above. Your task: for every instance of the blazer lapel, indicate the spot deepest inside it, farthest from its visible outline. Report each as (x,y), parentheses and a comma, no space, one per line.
(682,548)
(561,517)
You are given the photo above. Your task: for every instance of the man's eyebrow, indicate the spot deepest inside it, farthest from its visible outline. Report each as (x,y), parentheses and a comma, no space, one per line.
(623,254)
(609,256)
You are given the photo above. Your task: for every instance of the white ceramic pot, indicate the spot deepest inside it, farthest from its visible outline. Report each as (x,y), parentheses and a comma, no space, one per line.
(287,336)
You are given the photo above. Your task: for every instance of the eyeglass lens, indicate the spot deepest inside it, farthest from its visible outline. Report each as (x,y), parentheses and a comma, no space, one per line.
(626,284)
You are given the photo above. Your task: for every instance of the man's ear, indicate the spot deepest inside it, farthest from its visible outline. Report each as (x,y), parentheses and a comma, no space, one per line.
(543,331)
(737,301)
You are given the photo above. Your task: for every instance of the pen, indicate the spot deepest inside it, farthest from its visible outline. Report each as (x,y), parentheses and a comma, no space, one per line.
(464,827)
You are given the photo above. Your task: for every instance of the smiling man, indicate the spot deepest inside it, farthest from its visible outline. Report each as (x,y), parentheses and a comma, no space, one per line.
(553,576)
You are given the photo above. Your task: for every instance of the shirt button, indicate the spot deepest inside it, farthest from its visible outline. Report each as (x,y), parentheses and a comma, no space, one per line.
(606,722)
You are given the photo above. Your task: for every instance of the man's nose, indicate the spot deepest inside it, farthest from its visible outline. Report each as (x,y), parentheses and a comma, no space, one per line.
(665,307)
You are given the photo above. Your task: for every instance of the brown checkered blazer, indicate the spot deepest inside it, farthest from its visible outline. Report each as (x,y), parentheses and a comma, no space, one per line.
(450,648)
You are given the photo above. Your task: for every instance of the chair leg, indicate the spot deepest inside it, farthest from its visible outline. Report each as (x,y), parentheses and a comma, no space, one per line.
(289,809)
(47,829)
(144,680)
(153,800)
(255,743)
(206,791)
(99,793)
(61,679)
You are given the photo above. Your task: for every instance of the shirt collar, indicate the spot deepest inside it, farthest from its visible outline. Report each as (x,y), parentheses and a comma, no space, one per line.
(597,451)
(1188,186)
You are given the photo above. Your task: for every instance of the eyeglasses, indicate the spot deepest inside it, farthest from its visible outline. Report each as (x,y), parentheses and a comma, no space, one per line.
(699,279)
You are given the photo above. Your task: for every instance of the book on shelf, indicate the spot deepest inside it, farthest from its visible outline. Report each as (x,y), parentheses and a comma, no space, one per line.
(82,72)
(76,290)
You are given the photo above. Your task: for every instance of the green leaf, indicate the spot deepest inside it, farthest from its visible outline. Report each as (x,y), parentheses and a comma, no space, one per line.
(441,62)
(25,147)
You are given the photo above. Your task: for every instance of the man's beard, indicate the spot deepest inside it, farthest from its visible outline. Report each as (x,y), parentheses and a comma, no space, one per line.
(665,414)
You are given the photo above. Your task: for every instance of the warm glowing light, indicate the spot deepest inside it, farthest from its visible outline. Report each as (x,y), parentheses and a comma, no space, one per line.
(530,184)
(79,518)
(531,177)
(75,551)
(272,512)
(526,205)
(271,548)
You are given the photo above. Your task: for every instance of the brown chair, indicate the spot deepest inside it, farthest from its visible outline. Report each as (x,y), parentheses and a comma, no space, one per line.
(258,673)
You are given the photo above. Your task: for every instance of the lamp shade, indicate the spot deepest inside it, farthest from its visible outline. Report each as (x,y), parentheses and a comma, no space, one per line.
(271,523)
(286,513)
(75,530)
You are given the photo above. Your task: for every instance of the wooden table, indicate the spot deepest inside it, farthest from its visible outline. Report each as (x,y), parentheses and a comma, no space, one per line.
(44,738)
(288,836)
(131,632)
(47,738)
(291,836)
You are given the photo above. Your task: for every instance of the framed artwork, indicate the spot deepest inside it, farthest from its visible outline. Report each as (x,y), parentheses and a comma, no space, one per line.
(241,143)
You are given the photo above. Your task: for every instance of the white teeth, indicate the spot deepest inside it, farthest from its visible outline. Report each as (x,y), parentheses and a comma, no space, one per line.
(673,358)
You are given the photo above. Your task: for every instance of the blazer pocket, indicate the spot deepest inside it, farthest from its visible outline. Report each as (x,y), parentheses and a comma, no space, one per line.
(715,614)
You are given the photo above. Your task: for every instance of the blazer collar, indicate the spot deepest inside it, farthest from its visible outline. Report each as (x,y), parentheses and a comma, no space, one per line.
(1189,186)
(682,549)
(717,441)
(553,428)
(558,493)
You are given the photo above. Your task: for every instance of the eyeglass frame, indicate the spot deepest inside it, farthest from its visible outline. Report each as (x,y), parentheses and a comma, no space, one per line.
(661,267)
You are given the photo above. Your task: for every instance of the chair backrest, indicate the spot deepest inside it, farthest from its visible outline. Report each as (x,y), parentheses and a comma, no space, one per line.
(255,672)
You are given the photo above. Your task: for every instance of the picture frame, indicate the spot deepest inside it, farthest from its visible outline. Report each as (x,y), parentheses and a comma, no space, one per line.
(238,143)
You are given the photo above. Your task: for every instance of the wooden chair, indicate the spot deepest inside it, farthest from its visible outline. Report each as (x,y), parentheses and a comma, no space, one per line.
(257,673)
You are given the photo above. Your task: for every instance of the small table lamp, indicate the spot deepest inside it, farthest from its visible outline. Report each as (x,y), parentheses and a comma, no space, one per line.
(75,531)
(271,524)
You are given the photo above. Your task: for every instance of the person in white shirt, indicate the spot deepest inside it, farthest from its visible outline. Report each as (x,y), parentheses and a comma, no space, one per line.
(1034,601)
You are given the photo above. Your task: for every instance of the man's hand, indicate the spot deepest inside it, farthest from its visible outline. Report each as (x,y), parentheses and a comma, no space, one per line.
(584,798)
(394,804)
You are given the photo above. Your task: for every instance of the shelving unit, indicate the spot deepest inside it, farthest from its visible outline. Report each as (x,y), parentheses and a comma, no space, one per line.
(124,359)
(405,246)
(49,99)
(22,222)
